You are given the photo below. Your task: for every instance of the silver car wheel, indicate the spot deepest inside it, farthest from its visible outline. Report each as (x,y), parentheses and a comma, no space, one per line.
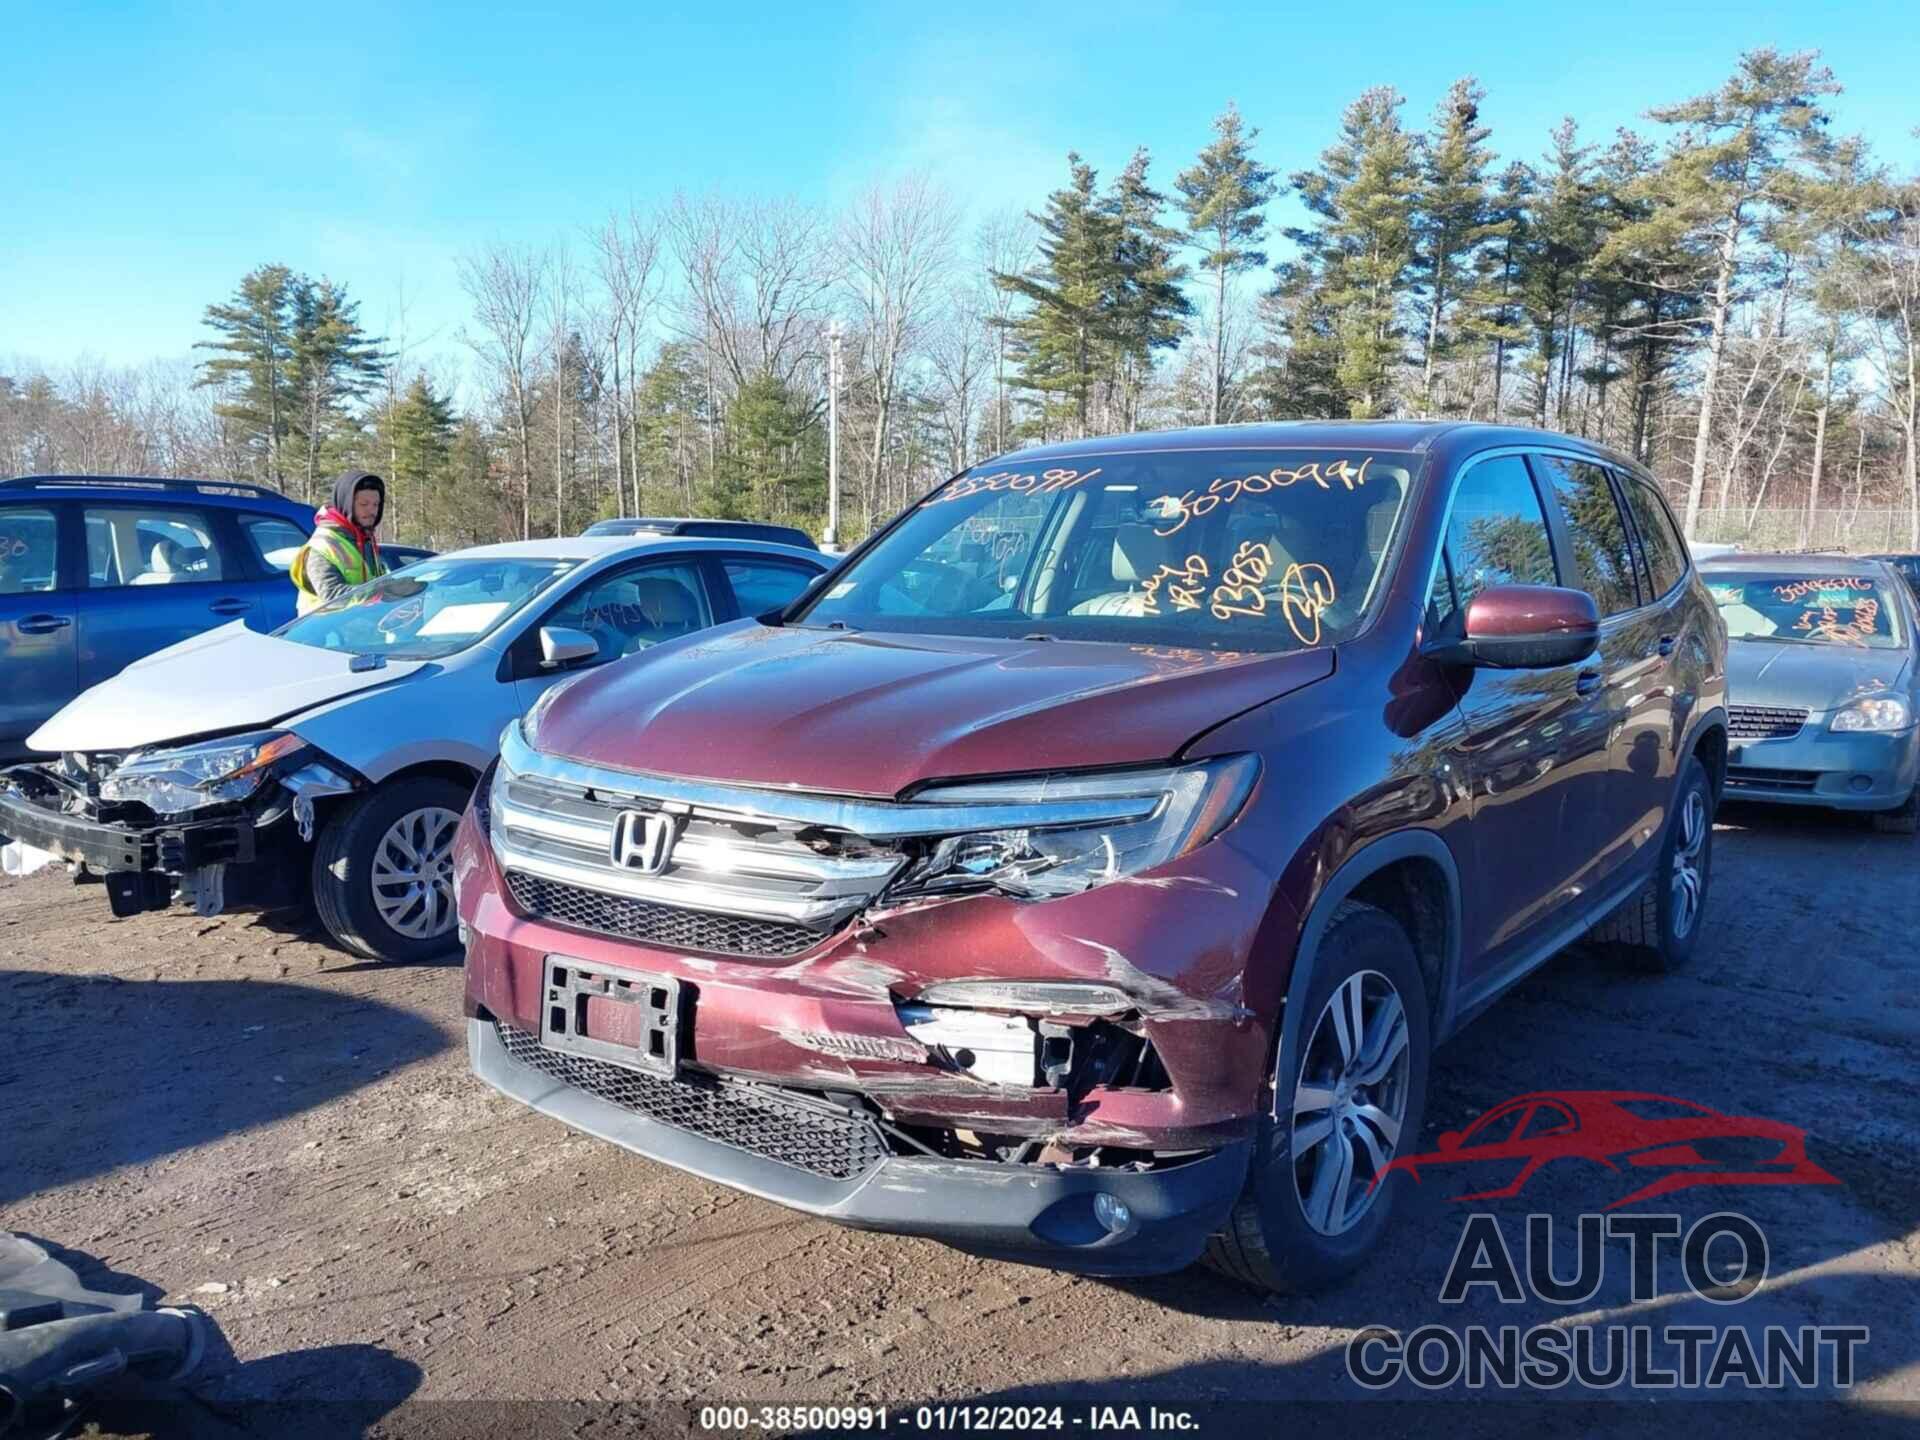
(413,873)
(1350,1101)
(1689,877)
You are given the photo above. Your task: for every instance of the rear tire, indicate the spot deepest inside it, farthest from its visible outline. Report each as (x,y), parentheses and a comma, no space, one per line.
(1298,1227)
(1658,928)
(382,870)
(1903,821)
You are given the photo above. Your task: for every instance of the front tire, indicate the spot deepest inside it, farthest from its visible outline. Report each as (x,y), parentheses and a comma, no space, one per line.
(383,870)
(1350,1089)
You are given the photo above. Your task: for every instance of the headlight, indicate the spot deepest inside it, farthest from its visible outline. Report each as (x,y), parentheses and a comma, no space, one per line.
(1884,713)
(171,782)
(1059,850)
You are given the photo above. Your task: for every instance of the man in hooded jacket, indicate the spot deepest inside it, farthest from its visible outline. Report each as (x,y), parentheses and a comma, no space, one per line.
(343,552)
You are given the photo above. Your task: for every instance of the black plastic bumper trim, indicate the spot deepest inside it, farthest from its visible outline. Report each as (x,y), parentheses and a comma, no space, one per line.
(1034,1213)
(172,849)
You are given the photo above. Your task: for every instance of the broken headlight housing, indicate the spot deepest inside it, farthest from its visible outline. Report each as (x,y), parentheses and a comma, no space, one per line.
(1078,831)
(190,777)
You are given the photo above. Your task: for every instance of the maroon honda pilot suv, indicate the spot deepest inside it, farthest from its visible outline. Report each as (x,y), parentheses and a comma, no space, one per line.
(1084,871)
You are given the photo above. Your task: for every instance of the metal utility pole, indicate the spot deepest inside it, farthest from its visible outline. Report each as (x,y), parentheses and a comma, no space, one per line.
(831,540)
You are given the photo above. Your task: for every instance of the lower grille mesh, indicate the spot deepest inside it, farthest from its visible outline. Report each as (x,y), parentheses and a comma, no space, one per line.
(656,924)
(766,1123)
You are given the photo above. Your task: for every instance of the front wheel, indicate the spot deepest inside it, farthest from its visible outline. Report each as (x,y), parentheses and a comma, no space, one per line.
(383,870)
(1349,1090)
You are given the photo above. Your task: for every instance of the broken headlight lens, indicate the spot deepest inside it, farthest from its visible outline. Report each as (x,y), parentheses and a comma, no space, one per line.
(172,782)
(1159,815)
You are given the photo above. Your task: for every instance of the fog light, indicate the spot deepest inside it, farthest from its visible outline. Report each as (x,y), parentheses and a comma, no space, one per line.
(1112,1212)
(1861,783)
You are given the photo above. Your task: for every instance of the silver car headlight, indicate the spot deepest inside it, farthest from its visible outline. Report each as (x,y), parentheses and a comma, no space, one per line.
(1063,845)
(190,777)
(1881,713)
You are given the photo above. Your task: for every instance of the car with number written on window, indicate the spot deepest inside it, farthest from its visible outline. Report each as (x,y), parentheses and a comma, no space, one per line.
(99,570)
(333,757)
(1823,681)
(1084,871)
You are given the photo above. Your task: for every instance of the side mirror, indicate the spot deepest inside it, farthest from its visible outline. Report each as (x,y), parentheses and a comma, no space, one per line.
(560,645)
(1524,627)
(1450,1140)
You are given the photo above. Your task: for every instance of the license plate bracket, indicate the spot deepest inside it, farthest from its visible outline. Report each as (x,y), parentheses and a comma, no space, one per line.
(620,1016)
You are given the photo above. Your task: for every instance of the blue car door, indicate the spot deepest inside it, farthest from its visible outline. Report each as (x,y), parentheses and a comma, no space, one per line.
(38,671)
(270,542)
(157,574)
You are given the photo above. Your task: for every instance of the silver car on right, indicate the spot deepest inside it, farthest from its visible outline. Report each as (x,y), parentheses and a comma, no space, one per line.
(1823,688)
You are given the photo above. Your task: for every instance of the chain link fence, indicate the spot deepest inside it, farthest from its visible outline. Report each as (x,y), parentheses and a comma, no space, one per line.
(1858,532)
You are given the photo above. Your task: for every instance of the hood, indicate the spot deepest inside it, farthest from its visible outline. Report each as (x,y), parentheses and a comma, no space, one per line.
(1811,677)
(228,679)
(348,481)
(872,714)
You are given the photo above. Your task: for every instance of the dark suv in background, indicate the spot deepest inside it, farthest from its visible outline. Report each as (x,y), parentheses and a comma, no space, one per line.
(1084,871)
(97,571)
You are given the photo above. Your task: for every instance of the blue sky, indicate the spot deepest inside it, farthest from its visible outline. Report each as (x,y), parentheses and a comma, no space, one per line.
(156,152)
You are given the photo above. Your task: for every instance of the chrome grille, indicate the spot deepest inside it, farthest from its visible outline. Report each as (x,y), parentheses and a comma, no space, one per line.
(652,924)
(809,1135)
(721,864)
(1764,722)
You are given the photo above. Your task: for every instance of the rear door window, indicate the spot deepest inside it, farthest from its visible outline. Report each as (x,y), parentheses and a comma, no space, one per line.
(274,540)
(763,585)
(29,549)
(1602,550)
(149,545)
(1666,555)
(1496,535)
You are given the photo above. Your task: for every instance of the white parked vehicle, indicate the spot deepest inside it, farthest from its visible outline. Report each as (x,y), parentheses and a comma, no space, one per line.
(334,757)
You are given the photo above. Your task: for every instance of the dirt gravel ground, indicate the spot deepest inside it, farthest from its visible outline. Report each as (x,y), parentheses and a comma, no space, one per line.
(221,1113)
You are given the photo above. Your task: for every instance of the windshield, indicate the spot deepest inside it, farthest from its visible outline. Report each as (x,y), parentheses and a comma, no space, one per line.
(427,611)
(1227,550)
(1818,610)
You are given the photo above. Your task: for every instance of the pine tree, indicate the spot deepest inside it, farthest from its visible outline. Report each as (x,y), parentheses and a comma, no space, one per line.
(1363,194)
(252,364)
(1224,196)
(1739,154)
(1501,326)
(1147,310)
(332,363)
(1562,238)
(1455,222)
(1070,293)
(421,433)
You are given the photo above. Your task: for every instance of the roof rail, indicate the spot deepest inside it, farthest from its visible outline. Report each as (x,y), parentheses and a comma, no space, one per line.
(144,482)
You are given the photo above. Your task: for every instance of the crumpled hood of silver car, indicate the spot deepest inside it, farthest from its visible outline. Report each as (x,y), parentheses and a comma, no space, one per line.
(228,679)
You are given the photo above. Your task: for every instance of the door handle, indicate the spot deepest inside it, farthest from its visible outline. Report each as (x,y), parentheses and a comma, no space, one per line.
(41,624)
(1667,642)
(231,606)
(1587,682)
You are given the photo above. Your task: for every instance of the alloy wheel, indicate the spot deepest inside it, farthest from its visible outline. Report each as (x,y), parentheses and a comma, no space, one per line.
(413,873)
(1350,1101)
(1689,867)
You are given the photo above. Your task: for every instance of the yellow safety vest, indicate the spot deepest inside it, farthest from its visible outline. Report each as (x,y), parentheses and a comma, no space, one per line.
(340,551)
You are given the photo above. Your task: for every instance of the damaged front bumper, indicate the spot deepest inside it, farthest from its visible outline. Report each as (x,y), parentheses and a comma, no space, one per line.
(231,857)
(834,1162)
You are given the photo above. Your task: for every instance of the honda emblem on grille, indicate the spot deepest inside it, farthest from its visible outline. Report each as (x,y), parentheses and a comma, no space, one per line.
(643,841)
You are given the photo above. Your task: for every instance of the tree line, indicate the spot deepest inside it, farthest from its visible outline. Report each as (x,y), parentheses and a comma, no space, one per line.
(1732,297)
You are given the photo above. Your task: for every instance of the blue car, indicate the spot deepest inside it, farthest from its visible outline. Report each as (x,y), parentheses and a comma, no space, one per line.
(98,571)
